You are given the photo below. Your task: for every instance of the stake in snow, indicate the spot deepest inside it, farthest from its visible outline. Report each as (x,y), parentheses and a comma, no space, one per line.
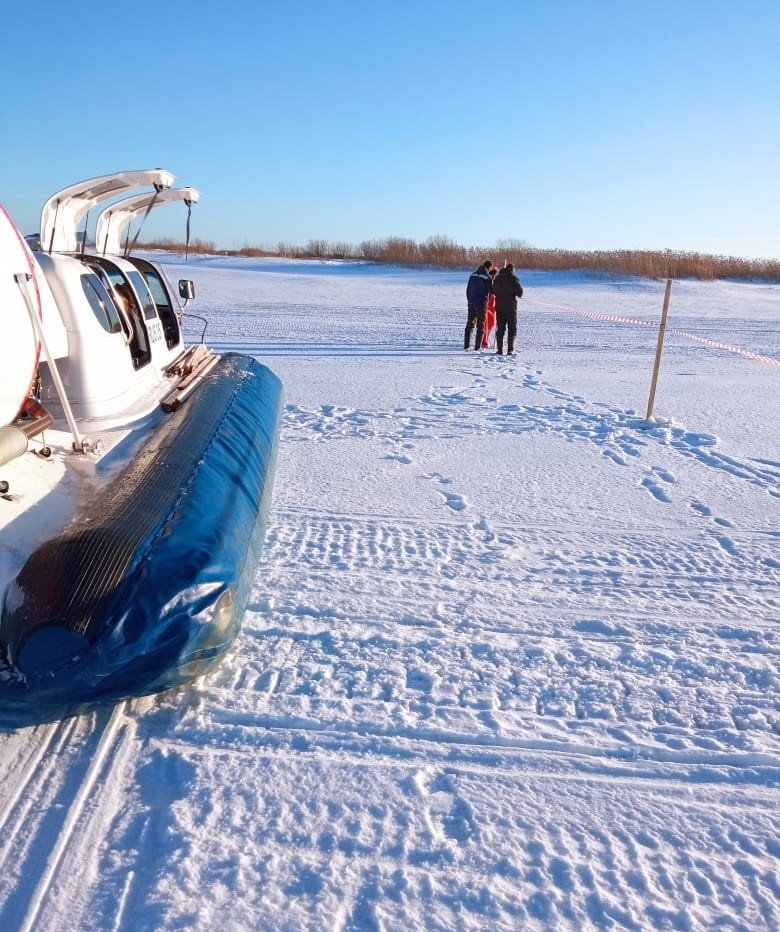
(135,472)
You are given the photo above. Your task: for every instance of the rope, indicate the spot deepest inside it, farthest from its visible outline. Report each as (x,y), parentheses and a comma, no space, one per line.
(157,189)
(187,243)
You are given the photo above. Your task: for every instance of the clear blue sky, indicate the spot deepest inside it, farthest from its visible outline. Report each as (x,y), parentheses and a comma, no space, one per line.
(594,124)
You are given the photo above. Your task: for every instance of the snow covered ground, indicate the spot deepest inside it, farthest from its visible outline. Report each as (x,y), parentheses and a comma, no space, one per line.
(511,657)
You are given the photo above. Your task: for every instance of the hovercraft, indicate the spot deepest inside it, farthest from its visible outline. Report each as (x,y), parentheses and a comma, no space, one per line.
(135,472)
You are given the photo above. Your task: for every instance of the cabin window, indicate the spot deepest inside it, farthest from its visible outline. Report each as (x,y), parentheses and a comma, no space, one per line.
(162,298)
(102,306)
(142,290)
(156,287)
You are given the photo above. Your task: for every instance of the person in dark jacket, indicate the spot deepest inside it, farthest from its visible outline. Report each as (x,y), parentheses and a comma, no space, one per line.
(478,289)
(507,289)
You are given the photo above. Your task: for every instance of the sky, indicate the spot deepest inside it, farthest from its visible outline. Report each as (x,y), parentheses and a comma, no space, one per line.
(510,658)
(572,125)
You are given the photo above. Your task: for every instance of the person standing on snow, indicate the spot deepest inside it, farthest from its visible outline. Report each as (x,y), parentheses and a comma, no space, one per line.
(490,314)
(507,289)
(478,290)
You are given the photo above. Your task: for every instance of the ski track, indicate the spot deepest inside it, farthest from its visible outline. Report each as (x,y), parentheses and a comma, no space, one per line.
(45,823)
(419,751)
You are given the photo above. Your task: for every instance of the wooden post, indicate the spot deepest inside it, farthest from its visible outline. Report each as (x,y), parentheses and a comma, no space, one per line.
(658,350)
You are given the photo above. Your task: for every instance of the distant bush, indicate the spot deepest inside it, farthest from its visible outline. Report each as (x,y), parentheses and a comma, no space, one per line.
(198,246)
(442,252)
(665,264)
(253,252)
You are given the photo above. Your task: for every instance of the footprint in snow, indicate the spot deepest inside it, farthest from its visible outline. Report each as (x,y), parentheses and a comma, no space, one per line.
(656,491)
(664,475)
(455,502)
(419,681)
(451,499)
(437,477)
(727,545)
(615,457)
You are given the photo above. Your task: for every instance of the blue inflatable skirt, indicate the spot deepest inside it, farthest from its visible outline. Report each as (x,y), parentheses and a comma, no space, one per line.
(146,588)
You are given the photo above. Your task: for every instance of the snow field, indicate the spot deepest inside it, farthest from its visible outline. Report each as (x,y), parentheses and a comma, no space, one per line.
(511,657)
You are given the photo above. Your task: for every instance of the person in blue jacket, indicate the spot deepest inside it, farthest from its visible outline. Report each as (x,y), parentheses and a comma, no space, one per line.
(479,287)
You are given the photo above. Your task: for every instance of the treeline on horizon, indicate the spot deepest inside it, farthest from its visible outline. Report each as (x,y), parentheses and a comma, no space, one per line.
(440,251)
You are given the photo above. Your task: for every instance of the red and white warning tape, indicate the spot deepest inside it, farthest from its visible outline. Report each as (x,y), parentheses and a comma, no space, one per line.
(590,314)
(648,323)
(726,346)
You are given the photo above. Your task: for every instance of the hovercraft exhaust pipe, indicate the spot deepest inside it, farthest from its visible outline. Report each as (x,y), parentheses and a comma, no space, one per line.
(14,437)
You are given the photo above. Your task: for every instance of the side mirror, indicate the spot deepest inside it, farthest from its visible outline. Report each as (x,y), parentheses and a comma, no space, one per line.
(186,289)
